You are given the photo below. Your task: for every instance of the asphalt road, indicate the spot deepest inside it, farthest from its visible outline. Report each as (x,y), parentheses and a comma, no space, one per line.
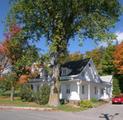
(104,112)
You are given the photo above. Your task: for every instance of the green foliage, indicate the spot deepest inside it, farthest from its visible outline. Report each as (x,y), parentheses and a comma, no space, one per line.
(26,93)
(42,96)
(74,57)
(96,56)
(107,61)
(94,100)
(27,57)
(116,88)
(3,87)
(119,82)
(60,20)
(103,59)
(11,79)
(86,104)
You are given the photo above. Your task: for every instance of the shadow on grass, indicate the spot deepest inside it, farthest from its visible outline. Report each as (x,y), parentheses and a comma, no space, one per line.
(108,116)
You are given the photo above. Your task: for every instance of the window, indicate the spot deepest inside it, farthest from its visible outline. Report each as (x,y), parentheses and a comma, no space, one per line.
(68,89)
(64,72)
(95,90)
(83,89)
(31,87)
(102,91)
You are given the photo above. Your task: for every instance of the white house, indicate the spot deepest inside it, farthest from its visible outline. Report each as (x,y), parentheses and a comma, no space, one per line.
(80,81)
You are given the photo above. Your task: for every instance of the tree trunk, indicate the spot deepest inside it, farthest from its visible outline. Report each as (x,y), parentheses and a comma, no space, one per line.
(54,93)
(12,93)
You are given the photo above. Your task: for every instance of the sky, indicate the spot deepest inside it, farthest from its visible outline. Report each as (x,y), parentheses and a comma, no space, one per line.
(88,44)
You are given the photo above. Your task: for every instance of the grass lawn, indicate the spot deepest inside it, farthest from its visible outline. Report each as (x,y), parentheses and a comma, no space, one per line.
(70,108)
(5,100)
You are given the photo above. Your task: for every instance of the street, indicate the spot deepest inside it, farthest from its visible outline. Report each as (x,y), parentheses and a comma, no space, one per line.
(104,112)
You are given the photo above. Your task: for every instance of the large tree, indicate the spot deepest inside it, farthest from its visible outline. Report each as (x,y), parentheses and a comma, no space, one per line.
(61,20)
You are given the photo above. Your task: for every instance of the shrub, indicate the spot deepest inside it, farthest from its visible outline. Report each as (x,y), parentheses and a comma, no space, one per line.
(2,88)
(86,104)
(94,100)
(116,88)
(62,101)
(26,93)
(42,96)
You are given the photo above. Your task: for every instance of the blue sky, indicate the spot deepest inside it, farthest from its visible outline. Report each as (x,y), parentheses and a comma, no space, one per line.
(88,45)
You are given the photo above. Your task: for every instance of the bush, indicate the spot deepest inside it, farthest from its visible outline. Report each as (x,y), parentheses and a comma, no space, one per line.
(62,101)
(94,100)
(86,104)
(116,88)
(4,86)
(42,96)
(26,93)
(2,89)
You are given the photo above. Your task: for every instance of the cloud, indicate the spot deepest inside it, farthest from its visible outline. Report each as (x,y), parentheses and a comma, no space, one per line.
(119,36)
(102,44)
(119,39)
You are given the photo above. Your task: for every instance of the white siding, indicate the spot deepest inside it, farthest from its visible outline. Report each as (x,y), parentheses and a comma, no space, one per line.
(73,91)
(85,95)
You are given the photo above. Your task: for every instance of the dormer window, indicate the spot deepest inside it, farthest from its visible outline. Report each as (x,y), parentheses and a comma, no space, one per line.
(64,72)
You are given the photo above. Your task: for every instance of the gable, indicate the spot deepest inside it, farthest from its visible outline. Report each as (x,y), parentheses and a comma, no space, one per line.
(90,73)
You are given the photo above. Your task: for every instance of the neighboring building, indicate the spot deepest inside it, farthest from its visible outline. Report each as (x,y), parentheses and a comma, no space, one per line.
(40,78)
(5,66)
(80,81)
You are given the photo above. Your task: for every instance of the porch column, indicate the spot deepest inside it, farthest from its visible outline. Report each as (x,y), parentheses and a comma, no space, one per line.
(105,95)
(78,89)
(88,90)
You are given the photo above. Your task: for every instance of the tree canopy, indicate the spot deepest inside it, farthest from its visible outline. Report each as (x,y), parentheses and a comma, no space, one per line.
(107,61)
(18,55)
(118,58)
(60,20)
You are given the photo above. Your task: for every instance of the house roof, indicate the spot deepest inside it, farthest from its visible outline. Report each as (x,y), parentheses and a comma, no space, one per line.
(107,78)
(76,66)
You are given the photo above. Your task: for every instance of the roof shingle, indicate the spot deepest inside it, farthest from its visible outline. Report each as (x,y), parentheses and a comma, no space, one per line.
(76,66)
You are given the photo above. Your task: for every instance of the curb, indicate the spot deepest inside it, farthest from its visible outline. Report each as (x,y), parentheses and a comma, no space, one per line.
(25,108)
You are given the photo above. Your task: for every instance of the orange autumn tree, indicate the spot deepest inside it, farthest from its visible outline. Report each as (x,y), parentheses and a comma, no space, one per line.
(19,54)
(118,58)
(7,49)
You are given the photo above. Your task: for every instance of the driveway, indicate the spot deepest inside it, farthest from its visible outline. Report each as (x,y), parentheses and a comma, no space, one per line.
(104,112)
